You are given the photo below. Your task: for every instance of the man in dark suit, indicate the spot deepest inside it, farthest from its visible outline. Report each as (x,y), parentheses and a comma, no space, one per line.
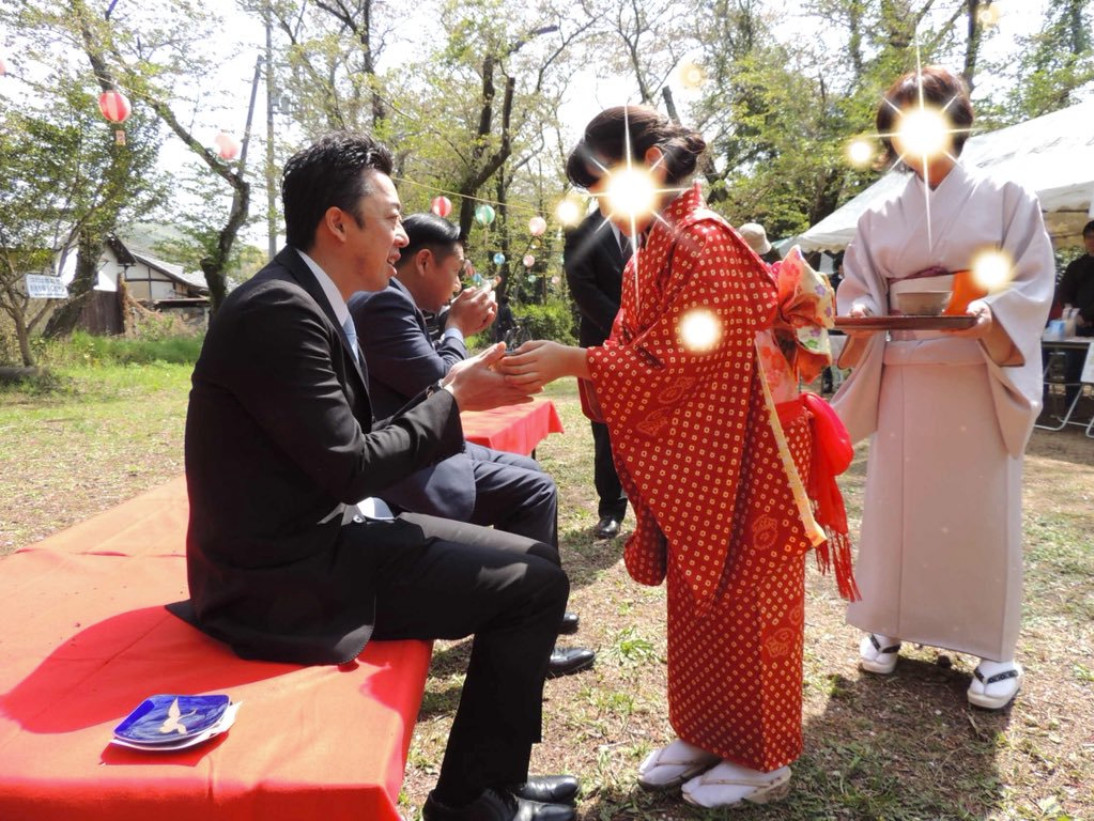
(480,485)
(283,562)
(594,256)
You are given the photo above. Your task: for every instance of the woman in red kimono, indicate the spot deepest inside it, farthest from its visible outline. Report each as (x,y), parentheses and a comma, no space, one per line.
(698,387)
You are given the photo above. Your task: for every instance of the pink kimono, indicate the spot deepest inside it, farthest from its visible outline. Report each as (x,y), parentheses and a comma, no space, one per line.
(940,554)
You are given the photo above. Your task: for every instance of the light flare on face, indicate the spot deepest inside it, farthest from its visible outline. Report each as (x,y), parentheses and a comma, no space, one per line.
(699,330)
(924,132)
(992,270)
(632,193)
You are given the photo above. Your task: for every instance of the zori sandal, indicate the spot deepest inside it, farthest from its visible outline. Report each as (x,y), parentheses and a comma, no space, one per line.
(994,684)
(729,784)
(671,766)
(878,654)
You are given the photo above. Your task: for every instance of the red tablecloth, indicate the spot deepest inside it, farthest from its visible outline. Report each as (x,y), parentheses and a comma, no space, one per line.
(84,638)
(515,428)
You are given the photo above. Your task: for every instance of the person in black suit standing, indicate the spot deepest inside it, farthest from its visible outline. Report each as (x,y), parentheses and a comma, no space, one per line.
(594,256)
(479,485)
(285,563)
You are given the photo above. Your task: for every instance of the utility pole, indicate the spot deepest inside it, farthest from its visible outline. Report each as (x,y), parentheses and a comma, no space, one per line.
(271,183)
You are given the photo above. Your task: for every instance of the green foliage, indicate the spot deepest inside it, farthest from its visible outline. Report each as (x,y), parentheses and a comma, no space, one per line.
(551,321)
(1057,61)
(65,179)
(83,349)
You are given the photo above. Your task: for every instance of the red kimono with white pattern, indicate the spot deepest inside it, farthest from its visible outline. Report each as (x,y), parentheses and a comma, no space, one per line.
(715,504)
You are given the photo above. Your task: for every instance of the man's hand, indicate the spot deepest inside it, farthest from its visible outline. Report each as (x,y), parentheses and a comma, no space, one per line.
(538,362)
(478,386)
(472,310)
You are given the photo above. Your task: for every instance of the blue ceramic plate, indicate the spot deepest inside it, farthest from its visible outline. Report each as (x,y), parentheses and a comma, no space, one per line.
(165,719)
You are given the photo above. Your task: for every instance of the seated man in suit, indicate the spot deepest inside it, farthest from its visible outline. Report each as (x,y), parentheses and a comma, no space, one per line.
(283,564)
(480,485)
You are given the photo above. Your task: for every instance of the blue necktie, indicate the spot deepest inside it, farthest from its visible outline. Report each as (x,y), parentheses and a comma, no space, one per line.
(351,336)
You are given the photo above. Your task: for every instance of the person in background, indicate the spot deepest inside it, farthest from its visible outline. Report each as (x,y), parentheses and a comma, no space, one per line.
(949,411)
(1076,290)
(594,256)
(480,485)
(286,562)
(755,237)
(712,440)
(505,322)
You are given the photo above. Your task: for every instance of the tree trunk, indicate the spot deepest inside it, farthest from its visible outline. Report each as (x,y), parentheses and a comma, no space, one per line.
(22,334)
(66,319)
(214,267)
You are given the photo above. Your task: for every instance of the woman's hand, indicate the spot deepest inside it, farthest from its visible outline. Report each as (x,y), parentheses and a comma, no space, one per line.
(985,322)
(477,385)
(858,311)
(991,335)
(538,362)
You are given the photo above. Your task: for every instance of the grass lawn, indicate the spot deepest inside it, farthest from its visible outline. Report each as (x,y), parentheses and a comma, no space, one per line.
(902,747)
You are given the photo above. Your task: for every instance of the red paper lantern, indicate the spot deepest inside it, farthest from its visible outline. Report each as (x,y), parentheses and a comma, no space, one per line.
(114,106)
(441,206)
(536,226)
(227,147)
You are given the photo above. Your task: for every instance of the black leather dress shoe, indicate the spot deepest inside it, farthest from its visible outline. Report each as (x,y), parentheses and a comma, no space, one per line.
(607,528)
(566,660)
(496,806)
(548,789)
(570,623)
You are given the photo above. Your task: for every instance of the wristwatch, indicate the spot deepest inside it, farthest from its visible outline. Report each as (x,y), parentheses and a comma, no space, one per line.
(433,388)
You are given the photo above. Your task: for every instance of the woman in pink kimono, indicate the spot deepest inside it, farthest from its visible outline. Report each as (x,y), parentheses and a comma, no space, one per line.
(698,384)
(950,412)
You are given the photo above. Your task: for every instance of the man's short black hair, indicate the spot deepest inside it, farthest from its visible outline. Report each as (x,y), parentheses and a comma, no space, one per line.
(1088,229)
(328,174)
(429,231)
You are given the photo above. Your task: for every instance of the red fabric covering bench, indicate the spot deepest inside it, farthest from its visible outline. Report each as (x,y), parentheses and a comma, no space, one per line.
(84,638)
(515,428)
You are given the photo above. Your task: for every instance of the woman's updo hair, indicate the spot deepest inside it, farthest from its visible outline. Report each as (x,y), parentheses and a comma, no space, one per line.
(604,144)
(942,89)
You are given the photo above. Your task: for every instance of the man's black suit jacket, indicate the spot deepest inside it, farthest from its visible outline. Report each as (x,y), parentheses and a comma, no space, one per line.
(594,270)
(402,357)
(279,432)
(402,361)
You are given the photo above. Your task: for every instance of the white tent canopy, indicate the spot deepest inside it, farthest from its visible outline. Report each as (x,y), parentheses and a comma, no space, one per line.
(1053,155)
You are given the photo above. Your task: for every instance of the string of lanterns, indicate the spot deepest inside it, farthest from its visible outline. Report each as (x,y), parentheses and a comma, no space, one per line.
(115,108)
(484,215)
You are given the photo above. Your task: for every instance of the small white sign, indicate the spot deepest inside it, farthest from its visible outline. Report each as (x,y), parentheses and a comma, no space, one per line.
(43,287)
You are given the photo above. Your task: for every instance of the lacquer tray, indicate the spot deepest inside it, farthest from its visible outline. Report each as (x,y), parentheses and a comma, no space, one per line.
(905,323)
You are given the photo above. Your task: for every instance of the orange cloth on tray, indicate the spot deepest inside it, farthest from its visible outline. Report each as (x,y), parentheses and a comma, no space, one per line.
(87,639)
